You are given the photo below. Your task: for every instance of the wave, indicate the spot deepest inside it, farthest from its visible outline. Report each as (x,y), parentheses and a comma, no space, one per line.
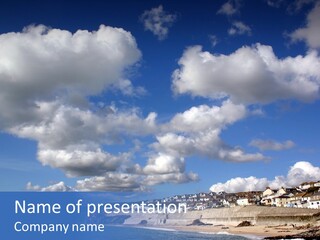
(155,228)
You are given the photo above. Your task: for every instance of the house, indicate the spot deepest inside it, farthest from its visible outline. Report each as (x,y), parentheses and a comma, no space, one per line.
(314,204)
(243,202)
(307,185)
(282,201)
(314,200)
(299,200)
(268,192)
(281,191)
(200,206)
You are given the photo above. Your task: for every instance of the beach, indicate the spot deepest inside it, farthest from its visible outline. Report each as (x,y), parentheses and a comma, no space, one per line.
(258,231)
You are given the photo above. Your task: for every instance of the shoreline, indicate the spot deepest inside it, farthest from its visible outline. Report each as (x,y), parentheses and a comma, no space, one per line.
(250,232)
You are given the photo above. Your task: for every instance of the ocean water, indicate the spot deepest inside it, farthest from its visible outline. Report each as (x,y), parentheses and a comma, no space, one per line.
(131,233)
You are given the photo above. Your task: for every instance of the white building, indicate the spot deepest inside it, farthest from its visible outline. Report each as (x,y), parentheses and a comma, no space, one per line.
(243,202)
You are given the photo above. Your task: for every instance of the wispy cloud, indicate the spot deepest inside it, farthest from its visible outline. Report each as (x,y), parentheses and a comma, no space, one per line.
(214,40)
(158,21)
(239,28)
(310,34)
(229,8)
(265,145)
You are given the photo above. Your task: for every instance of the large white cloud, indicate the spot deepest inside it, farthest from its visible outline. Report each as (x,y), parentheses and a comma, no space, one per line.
(298,173)
(70,138)
(249,75)
(67,125)
(310,34)
(46,76)
(42,64)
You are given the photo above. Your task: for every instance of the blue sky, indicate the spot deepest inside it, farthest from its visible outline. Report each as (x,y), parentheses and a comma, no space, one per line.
(156,98)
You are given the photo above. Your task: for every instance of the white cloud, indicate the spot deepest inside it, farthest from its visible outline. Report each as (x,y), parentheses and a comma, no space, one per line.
(125,182)
(240,185)
(262,78)
(115,182)
(175,178)
(264,145)
(302,172)
(298,173)
(76,136)
(49,104)
(46,76)
(57,187)
(203,117)
(77,162)
(310,34)
(239,28)
(69,125)
(197,132)
(163,164)
(158,21)
(42,64)
(229,8)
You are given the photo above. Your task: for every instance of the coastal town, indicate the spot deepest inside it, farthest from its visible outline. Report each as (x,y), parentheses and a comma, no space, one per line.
(306,195)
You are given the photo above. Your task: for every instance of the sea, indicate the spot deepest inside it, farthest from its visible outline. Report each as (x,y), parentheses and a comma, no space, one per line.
(134,233)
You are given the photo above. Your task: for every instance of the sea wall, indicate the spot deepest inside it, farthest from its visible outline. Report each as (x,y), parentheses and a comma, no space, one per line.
(258,215)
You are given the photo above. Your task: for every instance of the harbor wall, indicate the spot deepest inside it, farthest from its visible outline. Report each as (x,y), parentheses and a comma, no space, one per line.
(258,215)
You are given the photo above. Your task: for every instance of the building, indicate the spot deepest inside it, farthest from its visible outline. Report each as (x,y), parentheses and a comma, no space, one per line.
(243,202)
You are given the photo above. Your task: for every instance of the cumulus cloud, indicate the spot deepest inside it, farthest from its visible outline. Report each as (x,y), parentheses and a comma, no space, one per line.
(197,132)
(115,182)
(175,178)
(229,8)
(264,145)
(46,78)
(81,163)
(158,21)
(42,64)
(239,28)
(298,173)
(261,78)
(70,138)
(310,34)
(119,182)
(57,187)
(240,185)
(163,164)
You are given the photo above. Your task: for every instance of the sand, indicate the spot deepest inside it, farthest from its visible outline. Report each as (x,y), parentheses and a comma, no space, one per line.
(257,231)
